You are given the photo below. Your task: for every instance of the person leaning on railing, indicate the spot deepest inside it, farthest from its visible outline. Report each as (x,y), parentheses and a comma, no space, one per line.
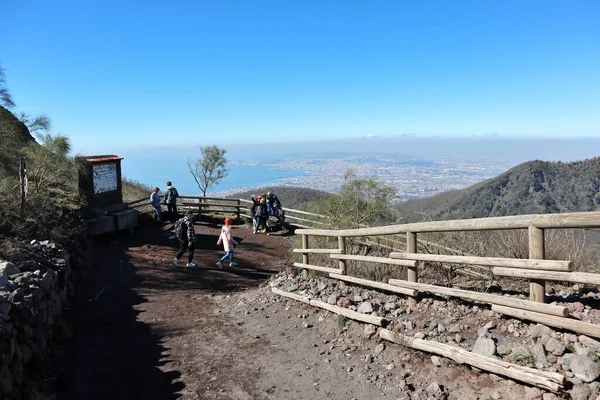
(155,201)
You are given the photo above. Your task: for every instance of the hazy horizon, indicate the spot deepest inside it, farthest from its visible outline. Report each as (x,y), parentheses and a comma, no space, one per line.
(513,149)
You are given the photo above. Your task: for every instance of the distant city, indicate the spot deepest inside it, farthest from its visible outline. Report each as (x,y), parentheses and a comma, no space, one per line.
(412,177)
(416,167)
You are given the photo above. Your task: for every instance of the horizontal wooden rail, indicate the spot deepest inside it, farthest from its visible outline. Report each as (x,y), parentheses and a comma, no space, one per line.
(205,198)
(378,260)
(590,219)
(552,381)
(304,213)
(548,309)
(546,265)
(317,268)
(300,226)
(290,210)
(208,205)
(146,199)
(373,284)
(209,211)
(577,277)
(317,251)
(574,325)
(287,216)
(355,315)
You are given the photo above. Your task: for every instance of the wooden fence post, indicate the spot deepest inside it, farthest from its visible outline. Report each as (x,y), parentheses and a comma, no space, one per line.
(304,246)
(305,255)
(413,272)
(342,248)
(411,247)
(537,287)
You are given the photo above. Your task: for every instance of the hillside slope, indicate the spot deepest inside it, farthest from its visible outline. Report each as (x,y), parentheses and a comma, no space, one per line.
(534,187)
(14,135)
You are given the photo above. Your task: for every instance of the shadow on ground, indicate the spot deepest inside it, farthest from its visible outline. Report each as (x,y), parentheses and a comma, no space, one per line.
(111,355)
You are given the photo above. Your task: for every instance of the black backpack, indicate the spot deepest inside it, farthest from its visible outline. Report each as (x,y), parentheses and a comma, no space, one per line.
(180,229)
(171,195)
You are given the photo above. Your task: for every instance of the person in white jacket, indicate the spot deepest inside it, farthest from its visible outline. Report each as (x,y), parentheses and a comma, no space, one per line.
(228,244)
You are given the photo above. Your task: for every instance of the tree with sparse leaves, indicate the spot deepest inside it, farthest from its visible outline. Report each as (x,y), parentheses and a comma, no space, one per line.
(209,168)
(362,201)
(37,125)
(5,97)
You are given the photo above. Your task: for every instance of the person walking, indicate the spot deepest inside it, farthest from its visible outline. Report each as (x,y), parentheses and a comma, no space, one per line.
(228,244)
(184,231)
(170,200)
(155,201)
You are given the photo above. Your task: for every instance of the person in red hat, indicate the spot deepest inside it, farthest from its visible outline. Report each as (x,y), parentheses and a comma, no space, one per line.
(228,244)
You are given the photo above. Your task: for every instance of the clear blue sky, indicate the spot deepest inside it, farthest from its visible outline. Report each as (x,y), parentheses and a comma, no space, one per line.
(160,72)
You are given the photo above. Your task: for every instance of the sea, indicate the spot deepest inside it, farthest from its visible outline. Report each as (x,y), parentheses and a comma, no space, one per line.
(156,168)
(251,166)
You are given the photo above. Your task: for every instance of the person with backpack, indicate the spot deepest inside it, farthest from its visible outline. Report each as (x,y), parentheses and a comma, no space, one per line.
(273,205)
(155,201)
(170,200)
(228,244)
(184,231)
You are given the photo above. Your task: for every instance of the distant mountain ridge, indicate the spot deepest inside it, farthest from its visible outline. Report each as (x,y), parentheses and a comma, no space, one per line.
(534,187)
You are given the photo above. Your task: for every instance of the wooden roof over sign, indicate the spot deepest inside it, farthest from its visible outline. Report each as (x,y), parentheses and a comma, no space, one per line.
(103,158)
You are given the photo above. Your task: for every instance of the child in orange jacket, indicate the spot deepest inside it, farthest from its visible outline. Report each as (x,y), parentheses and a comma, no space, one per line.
(228,244)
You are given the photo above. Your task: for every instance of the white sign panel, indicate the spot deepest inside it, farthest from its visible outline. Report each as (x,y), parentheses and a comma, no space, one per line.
(105,178)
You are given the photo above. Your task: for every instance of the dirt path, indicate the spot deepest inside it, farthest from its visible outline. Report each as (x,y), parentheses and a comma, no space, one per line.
(144,329)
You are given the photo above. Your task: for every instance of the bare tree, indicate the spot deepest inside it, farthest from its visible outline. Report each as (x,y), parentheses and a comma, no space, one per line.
(209,168)
(5,97)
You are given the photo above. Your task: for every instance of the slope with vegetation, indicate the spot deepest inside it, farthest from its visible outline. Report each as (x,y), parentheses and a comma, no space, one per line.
(50,209)
(534,187)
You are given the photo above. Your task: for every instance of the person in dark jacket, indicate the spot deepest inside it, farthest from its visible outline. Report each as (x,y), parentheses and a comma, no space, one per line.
(187,240)
(170,200)
(262,214)
(255,219)
(273,204)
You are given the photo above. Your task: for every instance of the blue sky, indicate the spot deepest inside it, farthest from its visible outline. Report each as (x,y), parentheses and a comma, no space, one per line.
(136,73)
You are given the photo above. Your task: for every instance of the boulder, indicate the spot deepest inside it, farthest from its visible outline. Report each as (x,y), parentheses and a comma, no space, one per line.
(484,346)
(584,368)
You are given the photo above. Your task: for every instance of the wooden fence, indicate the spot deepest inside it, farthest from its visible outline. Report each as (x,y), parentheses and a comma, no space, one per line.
(236,207)
(536,269)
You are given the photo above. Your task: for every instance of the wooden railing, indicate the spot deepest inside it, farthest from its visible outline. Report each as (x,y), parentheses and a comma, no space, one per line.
(536,268)
(237,207)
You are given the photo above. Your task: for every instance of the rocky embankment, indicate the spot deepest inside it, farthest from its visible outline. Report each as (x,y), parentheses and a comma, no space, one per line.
(469,326)
(32,295)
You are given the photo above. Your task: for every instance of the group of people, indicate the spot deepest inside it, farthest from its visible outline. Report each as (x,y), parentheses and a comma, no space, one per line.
(184,228)
(264,206)
(170,200)
(184,231)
